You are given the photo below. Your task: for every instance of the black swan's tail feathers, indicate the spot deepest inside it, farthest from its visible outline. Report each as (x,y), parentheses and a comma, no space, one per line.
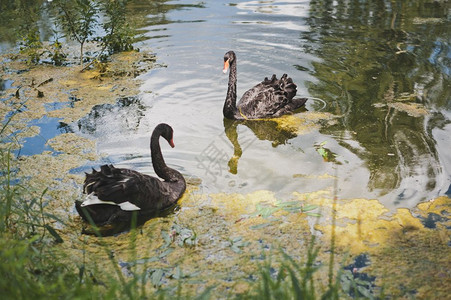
(284,85)
(291,107)
(111,184)
(109,219)
(287,85)
(100,214)
(299,102)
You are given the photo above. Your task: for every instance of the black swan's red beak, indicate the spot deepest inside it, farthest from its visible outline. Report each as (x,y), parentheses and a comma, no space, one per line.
(226,66)
(171,142)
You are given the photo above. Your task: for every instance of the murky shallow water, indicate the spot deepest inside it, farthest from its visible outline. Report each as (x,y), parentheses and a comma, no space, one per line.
(382,71)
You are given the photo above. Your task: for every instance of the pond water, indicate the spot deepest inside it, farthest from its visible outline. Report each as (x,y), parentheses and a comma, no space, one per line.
(380,69)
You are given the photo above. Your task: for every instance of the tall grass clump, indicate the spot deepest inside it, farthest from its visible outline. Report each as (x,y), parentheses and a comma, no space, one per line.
(33,265)
(293,279)
(27,237)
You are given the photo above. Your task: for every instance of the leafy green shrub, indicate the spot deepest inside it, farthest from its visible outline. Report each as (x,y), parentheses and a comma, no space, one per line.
(78,18)
(31,46)
(56,54)
(119,34)
(292,280)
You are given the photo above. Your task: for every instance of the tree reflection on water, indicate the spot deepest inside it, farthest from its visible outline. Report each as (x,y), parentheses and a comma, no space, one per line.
(385,70)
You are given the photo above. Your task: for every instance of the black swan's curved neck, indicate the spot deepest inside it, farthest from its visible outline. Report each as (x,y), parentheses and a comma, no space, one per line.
(230,111)
(159,165)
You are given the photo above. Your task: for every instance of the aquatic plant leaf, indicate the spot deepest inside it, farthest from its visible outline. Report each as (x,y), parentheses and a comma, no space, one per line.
(309,207)
(178,273)
(188,237)
(55,234)
(206,293)
(237,243)
(295,284)
(264,210)
(259,226)
(292,209)
(166,252)
(143,261)
(236,249)
(156,277)
(366,293)
(346,280)
(322,152)
(268,211)
(313,214)
(243,244)
(195,281)
(167,239)
(236,239)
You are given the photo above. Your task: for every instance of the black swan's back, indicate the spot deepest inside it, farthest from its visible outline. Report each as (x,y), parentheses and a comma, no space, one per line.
(124,185)
(270,98)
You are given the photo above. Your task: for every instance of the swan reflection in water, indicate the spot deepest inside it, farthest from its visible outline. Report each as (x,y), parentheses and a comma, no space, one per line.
(263,130)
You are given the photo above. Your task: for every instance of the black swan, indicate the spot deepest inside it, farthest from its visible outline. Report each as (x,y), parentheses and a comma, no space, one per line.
(113,194)
(269,99)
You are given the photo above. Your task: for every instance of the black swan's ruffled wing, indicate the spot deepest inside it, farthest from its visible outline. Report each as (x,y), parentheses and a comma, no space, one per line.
(269,98)
(123,185)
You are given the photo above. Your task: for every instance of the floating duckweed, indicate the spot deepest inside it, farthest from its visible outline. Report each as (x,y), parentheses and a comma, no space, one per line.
(421,21)
(309,176)
(226,249)
(440,206)
(85,89)
(358,209)
(47,167)
(72,144)
(412,109)
(302,123)
(399,245)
